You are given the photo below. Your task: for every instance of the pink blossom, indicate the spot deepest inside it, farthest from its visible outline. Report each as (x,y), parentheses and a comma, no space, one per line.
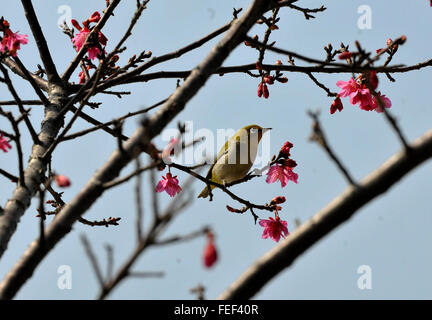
(347,87)
(11,42)
(210,255)
(274,228)
(169,184)
(281,173)
(363,97)
(80,39)
(260,90)
(385,101)
(266,93)
(4,143)
(263,90)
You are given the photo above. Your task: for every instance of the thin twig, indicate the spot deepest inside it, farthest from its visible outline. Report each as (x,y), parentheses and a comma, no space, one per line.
(319,136)
(93,260)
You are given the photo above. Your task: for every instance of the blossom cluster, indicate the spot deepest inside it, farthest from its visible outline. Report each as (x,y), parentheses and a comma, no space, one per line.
(11,41)
(362,90)
(275,228)
(4,143)
(283,166)
(268,79)
(94,46)
(360,94)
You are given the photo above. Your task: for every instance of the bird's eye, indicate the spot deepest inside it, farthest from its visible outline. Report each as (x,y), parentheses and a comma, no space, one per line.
(253,130)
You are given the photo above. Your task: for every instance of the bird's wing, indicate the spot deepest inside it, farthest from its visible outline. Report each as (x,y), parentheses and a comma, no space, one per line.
(223,151)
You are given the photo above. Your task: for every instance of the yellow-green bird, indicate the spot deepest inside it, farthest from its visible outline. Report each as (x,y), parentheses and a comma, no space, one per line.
(236,157)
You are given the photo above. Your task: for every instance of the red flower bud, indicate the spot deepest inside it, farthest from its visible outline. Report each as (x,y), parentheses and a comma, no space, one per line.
(95,17)
(62,181)
(345,55)
(76,24)
(260,89)
(290,163)
(278,200)
(268,79)
(336,105)
(282,79)
(266,93)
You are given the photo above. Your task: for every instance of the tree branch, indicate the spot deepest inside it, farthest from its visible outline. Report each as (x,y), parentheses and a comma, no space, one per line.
(41,43)
(327,219)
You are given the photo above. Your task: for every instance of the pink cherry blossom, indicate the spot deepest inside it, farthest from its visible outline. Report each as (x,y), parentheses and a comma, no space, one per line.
(80,38)
(169,184)
(385,101)
(4,143)
(11,42)
(363,97)
(281,173)
(347,87)
(274,228)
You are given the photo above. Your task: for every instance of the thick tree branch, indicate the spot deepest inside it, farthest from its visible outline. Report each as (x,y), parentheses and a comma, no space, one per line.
(34,174)
(41,43)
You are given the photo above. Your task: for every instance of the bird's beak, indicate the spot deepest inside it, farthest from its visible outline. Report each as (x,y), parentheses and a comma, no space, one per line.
(266,129)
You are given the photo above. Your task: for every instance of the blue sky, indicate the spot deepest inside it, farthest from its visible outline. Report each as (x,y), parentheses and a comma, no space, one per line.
(390,234)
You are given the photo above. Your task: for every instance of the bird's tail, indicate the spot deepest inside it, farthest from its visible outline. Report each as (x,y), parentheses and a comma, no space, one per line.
(205,192)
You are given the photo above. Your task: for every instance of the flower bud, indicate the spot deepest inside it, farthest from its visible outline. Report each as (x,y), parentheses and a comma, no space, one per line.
(345,55)
(290,163)
(62,181)
(278,200)
(266,93)
(76,24)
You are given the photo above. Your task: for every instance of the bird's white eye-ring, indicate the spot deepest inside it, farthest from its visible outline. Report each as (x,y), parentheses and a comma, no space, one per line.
(253,130)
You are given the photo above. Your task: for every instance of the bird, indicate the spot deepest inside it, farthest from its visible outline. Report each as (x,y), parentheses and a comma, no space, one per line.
(235,158)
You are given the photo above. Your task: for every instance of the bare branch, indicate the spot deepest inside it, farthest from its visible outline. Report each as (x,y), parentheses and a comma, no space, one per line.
(93,260)
(319,137)
(41,43)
